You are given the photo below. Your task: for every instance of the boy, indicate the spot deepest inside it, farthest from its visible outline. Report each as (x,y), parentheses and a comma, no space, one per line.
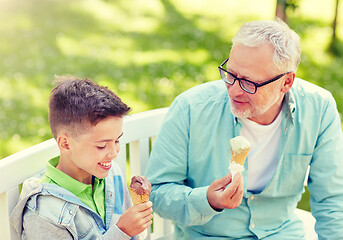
(82,194)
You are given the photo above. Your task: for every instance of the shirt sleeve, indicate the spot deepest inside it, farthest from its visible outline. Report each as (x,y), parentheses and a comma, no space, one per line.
(172,196)
(326,176)
(115,233)
(35,227)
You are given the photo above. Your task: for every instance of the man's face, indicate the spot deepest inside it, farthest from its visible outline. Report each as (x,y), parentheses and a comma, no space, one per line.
(255,64)
(91,153)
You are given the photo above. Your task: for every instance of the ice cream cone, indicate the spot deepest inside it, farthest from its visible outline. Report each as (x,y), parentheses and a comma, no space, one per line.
(140,189)
(138,198)
(240,147)
(240,156)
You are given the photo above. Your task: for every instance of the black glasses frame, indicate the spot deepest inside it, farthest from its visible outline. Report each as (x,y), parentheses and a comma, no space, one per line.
(243,79)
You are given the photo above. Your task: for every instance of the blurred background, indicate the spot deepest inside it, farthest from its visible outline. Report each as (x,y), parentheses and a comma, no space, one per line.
(146,51)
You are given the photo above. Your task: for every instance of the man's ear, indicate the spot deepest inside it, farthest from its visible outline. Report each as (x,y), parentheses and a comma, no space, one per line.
(63,142)
(288,82)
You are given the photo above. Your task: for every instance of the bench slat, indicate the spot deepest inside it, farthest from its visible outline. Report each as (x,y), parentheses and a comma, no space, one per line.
(22,165)
(4,221)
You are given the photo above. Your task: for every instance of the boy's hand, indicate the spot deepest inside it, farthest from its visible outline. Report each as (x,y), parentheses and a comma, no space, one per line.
(219,196)
(136,219)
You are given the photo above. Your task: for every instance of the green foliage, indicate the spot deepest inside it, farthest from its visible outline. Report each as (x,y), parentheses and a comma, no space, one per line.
(305,201)
(289,4)
(147,52)
(336,48)
(292,4)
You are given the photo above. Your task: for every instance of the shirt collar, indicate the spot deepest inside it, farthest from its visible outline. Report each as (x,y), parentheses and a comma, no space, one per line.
(65,181)
(289,105)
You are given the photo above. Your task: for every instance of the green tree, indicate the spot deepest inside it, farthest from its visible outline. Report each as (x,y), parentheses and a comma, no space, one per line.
(334,42)
(282,6)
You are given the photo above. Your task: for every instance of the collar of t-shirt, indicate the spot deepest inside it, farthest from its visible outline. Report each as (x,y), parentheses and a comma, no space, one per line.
(92,196)
(264,153)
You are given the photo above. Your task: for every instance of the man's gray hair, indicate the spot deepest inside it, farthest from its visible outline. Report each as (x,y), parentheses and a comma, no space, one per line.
(285,41)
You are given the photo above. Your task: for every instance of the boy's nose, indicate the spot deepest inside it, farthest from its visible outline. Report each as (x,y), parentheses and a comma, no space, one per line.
(113,153)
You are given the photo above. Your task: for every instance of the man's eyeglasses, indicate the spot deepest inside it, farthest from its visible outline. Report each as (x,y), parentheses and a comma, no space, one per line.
(246,85)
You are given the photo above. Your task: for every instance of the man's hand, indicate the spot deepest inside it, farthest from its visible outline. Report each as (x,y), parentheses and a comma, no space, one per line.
(225,193)
(136,219)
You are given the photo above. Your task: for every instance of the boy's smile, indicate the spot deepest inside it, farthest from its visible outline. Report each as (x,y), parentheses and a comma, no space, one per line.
(91,154)
(106,165)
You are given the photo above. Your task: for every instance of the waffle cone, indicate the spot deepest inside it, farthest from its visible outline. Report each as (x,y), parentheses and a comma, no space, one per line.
(138,198)
(240,157)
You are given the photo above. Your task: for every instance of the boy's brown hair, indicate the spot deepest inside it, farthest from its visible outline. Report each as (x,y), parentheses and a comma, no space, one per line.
(76,104)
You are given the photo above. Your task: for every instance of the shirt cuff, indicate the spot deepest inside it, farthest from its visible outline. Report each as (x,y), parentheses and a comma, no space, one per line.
(116,233)
(199,202)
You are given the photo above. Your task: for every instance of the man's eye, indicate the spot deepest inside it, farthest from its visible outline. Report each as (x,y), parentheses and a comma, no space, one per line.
(248,84)
(101,147)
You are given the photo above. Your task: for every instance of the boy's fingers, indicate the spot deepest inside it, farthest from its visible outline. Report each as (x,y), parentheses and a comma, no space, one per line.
(148,216)
(144,206)
(148,204)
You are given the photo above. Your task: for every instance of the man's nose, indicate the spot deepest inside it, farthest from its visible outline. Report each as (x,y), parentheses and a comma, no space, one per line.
(235,89)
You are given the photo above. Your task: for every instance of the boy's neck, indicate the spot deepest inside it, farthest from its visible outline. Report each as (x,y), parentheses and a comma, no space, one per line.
(68,167)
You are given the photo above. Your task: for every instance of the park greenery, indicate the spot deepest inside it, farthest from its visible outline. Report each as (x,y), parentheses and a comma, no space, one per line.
(147,52)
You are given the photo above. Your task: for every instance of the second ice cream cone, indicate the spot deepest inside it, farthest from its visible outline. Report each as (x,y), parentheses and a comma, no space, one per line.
(240,147)
(240,157)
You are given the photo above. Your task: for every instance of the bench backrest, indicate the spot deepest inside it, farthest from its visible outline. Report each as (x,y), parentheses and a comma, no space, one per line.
(139,130)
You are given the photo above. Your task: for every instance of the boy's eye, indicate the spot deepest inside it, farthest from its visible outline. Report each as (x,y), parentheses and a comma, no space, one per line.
(101,147)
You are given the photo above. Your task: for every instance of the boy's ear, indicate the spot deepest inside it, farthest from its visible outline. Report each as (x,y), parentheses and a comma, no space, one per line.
(63,142)
(288,82)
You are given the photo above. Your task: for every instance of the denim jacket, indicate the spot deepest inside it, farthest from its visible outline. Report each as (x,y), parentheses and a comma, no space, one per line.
(47,211)
(192,150)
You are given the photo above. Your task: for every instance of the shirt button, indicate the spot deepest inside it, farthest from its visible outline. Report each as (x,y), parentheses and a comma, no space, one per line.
(71,212)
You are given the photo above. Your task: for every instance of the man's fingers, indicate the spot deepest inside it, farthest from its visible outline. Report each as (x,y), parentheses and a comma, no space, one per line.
(221,183)
(225,192)
(235,186)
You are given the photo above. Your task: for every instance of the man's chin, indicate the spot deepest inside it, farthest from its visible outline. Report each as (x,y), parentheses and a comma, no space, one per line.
(240,113)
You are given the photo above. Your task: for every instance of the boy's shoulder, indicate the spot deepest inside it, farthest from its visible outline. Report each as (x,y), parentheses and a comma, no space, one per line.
(30,202)
(31,186)
(34,192)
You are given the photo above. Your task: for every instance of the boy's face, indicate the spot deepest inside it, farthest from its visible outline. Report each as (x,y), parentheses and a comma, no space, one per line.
(91,154)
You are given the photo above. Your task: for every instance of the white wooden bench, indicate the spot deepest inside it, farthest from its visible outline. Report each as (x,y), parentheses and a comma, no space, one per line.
(139,130)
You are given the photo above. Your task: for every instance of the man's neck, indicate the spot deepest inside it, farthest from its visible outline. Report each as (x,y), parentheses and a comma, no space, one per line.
(269,116)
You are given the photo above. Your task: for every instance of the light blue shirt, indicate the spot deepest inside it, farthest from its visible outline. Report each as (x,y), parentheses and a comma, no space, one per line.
(192,150)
